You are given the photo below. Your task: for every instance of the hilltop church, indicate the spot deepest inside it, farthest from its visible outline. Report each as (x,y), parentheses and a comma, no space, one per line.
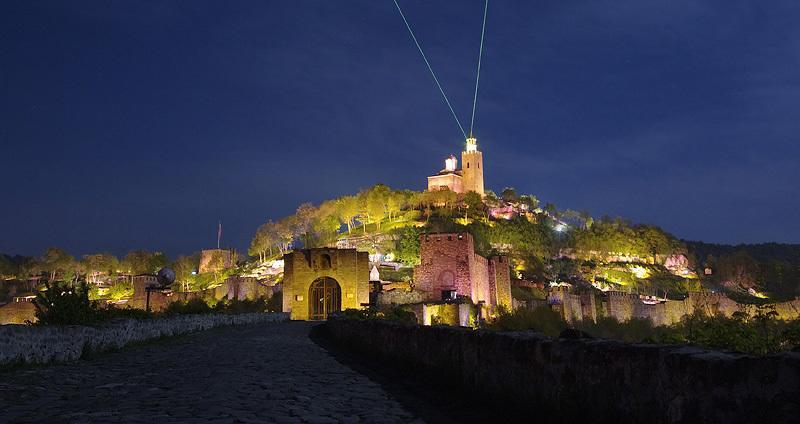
(468,178)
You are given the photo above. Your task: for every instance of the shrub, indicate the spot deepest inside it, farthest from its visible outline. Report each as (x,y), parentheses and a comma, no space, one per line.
(636,330)
(395,313)
(759,334)
(112,312)
(542,319)
(121,290)
(236,306)
(63,304)
(192,306)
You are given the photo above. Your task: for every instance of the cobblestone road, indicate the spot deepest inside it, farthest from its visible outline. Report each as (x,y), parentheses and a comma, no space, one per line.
(263,373)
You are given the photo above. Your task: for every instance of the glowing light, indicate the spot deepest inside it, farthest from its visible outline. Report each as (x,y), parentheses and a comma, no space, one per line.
(639,272)
(472,144)
(560,228)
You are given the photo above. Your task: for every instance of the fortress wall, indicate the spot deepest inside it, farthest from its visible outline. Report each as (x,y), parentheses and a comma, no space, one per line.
(567,380)
(21,344)
(624,306)
(620,305)
(572,308)
(589,306)
(480,280)
(403,297)
(500,273)
(17,313)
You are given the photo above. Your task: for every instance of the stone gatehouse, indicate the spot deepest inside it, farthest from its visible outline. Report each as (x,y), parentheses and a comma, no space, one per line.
(319,281)
(449,264)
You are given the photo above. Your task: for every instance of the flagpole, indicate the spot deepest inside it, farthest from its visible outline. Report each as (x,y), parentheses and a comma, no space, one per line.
(219,233)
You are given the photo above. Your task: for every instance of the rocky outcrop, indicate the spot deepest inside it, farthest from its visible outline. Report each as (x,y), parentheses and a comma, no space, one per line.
(590,378)
(22,344)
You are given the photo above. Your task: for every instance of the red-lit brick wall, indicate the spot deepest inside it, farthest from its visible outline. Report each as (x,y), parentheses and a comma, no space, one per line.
(448,262)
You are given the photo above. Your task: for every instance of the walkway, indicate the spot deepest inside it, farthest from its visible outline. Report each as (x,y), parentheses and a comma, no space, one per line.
(264,373)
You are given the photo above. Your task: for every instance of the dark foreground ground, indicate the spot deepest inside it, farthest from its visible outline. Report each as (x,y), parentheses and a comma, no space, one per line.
(260,373)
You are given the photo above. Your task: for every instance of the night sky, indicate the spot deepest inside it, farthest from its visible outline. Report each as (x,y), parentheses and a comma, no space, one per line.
(140,124)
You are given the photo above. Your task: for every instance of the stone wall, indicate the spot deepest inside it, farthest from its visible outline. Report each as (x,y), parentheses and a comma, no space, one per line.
(624,306)
(479,280)
(402,297)
(22,344)
(500,277)
(17,313)
(241,288)
(589,379)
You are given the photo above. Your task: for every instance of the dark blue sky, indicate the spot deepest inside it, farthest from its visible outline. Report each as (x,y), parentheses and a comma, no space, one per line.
(139,124)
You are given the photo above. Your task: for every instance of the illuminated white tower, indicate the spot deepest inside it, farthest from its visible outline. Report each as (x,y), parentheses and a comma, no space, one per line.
(472,167)
(450,164)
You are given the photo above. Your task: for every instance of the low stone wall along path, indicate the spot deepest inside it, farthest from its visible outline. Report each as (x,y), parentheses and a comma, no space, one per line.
(253,373)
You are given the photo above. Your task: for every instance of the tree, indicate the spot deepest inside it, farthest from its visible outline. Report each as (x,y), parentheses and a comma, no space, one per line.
(407,244)
(376,203)
(285,231)
(473,205)
(99,264)
(656,241)
(509,195)
(347,210)
(58,263)
(304,218)
(262,241)
(372,205)
(529,201)
(739,269)
(394,203)
(7,267)
(142,262)
(325,225)
(185,268)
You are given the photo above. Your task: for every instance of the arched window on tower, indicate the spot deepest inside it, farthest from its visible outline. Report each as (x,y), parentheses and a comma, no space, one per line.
(467,164)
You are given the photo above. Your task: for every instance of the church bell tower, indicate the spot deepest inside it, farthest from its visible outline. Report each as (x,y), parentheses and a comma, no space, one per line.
(472,167)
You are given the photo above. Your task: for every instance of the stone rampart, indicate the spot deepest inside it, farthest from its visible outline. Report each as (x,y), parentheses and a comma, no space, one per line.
(624,306)
(22,344)
(17,313)
(403,297)
(597,379)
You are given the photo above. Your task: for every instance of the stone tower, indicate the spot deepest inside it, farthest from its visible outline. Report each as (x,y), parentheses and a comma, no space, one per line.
(472,167)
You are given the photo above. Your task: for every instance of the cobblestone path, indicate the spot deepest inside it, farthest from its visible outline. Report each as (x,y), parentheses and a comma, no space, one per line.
(261,373)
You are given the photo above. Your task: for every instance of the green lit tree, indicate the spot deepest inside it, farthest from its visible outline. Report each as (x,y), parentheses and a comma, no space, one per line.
(58,264)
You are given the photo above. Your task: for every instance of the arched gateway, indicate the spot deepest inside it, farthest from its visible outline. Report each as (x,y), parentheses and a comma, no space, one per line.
(324,297)
(318,282)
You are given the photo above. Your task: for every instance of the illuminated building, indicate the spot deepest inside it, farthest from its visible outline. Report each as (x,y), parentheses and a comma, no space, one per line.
(468,178)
